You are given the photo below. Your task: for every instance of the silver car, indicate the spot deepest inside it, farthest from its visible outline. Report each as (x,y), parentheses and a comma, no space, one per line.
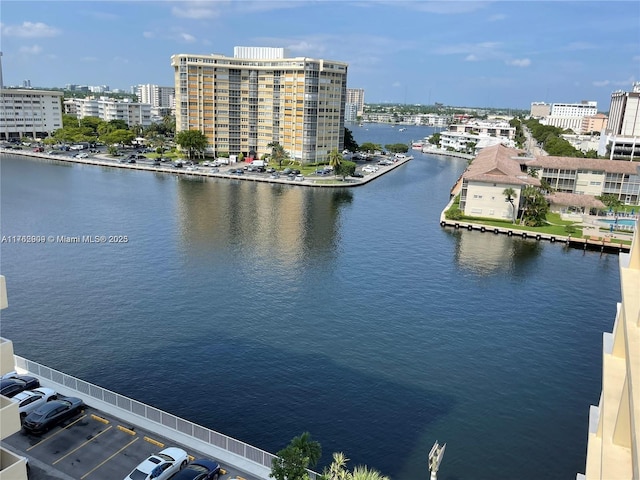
(29,400)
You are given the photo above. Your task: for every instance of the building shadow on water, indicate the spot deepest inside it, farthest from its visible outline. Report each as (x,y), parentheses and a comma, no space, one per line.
(486,254)
(266,396)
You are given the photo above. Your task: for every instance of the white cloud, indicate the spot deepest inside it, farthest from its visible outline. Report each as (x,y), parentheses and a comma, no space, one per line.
(187,37)
(307,48)
(471,58)
(497,17)
(575,46)
(614,83)
(519,62)
(30,30)
(440,7)
(196,10)
(396,84)
(148,34)
(32,50)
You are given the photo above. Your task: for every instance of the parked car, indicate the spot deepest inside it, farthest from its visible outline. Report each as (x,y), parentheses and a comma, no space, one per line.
(357,175)
(287,171)
(299,178)
(29,400)
(9,387)
(82,155)
(201,469)
(160,466)
(52,413)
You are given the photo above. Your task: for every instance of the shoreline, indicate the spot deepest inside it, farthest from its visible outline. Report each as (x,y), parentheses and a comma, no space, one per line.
(103,161)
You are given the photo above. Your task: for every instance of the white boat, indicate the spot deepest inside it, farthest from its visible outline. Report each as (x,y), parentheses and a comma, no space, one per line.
(401,129)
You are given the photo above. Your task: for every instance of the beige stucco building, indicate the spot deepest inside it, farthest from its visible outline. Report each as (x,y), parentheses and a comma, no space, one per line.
(259,96)
(12,466)
(613,449)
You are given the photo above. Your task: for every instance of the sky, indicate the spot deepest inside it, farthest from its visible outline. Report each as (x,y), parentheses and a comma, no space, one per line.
(500,54)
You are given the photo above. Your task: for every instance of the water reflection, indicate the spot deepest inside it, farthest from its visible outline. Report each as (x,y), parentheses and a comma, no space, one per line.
(488,254)
(284,223)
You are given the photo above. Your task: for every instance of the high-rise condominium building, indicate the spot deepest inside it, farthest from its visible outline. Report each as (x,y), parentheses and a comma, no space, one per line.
(622,135)
(356,96)
(155,95)
(260,96)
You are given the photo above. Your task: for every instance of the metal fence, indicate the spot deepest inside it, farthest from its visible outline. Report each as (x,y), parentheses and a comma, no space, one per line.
(152,414)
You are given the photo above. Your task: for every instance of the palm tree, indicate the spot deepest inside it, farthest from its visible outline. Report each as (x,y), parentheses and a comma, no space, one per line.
(335,159)
(337,470)
(364,473)
(510,195)
(309,448)
(278,153)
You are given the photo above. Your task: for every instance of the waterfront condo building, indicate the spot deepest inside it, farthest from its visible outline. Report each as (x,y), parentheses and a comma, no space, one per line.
(244,103)
(29,113)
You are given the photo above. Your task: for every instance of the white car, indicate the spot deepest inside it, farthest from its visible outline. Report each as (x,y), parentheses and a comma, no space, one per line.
(161,465)
(82,155)
(29,400)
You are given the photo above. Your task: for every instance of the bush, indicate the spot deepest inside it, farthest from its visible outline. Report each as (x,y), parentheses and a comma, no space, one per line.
(454,213)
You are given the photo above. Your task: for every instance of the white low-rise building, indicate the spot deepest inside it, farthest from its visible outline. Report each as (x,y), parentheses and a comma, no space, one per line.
(29,113)
(107,109)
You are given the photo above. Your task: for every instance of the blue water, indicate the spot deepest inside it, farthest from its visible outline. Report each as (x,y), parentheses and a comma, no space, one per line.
(620,221)
(264,311)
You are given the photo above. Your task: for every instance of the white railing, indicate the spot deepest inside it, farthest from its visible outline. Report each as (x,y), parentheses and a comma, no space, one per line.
(130,409)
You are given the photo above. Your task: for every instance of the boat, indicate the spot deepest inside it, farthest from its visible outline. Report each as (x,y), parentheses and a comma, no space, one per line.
(401,129)
(417,145)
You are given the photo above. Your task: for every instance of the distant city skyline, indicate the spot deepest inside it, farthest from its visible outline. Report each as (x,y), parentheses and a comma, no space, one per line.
(475,54)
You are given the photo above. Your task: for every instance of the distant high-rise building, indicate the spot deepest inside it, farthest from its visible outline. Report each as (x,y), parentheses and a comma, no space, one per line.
(259,96)
(622,135)
(356,96)
(155,95)
(624,112)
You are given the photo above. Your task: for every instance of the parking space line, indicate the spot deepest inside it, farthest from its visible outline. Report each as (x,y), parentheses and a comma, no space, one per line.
(59,431)
(155,442)
(80,446)
(106,460)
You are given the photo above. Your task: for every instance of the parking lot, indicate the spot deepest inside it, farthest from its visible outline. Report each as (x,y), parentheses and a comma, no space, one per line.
(93,446)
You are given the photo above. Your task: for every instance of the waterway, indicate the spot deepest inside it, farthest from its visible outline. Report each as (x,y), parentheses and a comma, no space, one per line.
(264,311)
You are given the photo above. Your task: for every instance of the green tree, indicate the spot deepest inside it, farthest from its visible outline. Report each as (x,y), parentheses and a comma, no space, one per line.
(290,464)
(338,471)
(123,137)
(509,196)
(345,169)
(362,472)
(535,207)
(369,147)
(310,448)
(278,153)
(335,160)
(397,147)
(349,142)
(293,461)
(434,139)
(611,201)
(193,141)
